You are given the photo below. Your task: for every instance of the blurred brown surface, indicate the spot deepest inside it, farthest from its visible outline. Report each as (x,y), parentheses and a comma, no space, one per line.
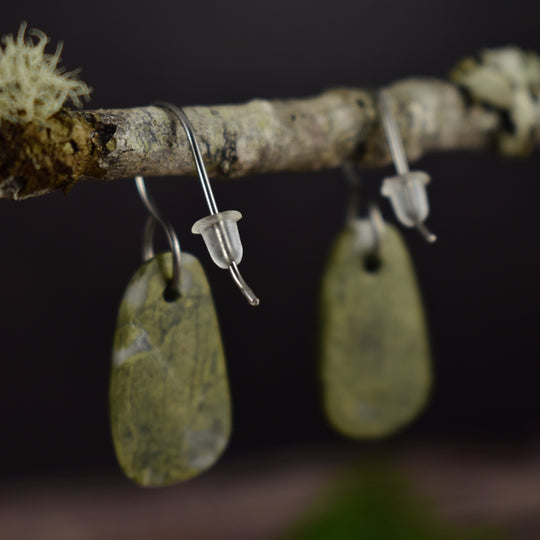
(260,497)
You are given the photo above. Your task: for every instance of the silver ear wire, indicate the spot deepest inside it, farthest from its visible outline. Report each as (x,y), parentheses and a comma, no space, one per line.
(407,190)
(369,229)
(156,217)
(219,230)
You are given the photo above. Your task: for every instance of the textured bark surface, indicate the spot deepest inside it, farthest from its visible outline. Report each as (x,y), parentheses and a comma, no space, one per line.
(240,140)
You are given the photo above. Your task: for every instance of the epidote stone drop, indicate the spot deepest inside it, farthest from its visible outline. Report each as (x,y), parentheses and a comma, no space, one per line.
(375,364)
(169,395)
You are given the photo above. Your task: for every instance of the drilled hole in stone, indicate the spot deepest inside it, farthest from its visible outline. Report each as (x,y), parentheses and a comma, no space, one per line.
(170,294)
(372,263)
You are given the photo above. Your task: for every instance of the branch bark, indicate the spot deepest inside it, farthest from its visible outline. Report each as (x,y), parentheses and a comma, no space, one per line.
(240,140)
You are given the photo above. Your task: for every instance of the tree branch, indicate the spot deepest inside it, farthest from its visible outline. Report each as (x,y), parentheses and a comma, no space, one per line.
(252,138)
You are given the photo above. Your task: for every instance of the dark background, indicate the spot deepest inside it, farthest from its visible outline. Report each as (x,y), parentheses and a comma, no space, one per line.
(66,260)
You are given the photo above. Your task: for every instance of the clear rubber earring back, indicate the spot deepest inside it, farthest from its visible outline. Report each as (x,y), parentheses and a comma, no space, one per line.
(406,190)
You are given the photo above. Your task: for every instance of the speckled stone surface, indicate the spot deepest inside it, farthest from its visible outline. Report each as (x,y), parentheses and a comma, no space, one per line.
(374,350)
(169,395)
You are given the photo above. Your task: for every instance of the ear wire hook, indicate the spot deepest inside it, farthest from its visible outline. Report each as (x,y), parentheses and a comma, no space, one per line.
(406,191)
(219,230)
(369,230)
(156,217)
(356,191)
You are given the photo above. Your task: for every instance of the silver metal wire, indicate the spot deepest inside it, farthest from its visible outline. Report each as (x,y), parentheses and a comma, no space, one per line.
(377,224)
(148,238)
(393,136)
(156,217)
(357,206)
(196,151)
(427,235)
(245,289)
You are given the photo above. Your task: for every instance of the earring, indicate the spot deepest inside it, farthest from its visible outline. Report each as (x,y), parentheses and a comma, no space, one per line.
(169,396)
(374,351)
(407,190)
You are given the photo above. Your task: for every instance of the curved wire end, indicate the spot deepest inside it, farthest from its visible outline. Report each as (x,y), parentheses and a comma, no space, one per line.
(242,285)
(427,235)
(149,227)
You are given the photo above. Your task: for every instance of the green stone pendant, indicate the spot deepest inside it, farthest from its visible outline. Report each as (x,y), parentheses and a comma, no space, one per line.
(169,395)
(375,360)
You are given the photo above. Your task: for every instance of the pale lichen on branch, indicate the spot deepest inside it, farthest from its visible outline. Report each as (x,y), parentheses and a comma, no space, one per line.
(491,103)
(508,80)
(32,85)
